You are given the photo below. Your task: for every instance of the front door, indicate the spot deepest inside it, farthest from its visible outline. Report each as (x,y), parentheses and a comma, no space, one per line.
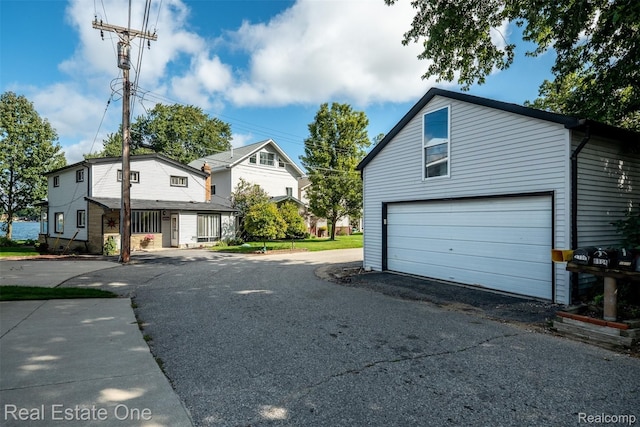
(174,230)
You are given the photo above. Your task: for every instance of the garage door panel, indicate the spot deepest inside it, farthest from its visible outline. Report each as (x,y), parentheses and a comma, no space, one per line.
(530,286)
(472,263)
(492,250)
(502,244)
(474,219)
(414,236)
(500,205)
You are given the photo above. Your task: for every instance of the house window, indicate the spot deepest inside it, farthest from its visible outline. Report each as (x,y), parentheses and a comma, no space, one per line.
(208,227)
(436,143)
(81,219)
(281,162)
(213,190)
(252,159)
(80,175)
(289,191)
(56,181)
(58,219)
(134,177)
(143,222)
(178,181)
(44,222)
(267,159)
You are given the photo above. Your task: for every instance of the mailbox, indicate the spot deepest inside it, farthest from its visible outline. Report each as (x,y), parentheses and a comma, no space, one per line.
(604,258)
(626,260)
(584,256)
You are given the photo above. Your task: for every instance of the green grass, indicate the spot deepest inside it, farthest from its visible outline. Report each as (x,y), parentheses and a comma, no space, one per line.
(311,245)
(22,293)
(18,251)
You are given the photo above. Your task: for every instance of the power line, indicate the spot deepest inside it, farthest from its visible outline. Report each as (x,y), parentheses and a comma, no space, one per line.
(124,60)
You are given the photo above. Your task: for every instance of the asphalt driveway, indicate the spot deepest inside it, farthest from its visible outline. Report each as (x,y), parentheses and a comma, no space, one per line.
(251,340)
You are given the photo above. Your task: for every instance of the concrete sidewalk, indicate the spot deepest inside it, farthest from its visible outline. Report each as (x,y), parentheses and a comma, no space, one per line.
(48,273)
(80,362)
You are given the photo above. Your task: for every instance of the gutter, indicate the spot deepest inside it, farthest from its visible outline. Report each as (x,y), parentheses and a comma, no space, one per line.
(574,200)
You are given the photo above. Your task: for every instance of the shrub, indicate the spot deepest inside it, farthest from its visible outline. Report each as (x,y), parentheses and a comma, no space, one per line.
(629,229)
(42,248)
(6,243)
(236,241)
(110,247)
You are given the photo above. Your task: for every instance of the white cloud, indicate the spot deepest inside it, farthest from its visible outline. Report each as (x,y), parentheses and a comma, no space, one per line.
(242,139)
(94,55)
(317,51)
(205,78)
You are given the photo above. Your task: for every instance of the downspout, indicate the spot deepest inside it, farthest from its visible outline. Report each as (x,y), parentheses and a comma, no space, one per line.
(574,202)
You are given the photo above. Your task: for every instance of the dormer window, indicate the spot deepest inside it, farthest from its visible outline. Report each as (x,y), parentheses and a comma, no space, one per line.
(267,159)
(281,162)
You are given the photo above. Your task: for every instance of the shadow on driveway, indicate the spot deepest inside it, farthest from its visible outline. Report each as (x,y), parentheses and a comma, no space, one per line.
(489,304)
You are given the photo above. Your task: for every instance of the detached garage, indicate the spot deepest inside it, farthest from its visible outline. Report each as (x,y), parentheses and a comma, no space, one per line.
(496,243)
(478,192)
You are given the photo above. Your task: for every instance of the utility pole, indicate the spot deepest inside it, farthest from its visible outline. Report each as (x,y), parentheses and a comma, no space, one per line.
(124,62)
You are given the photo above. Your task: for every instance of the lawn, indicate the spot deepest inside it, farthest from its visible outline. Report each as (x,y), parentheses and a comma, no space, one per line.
(18,251)
(312,245)
(22,293)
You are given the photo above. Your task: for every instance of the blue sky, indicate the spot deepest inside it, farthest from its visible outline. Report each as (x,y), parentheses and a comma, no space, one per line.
(263,66)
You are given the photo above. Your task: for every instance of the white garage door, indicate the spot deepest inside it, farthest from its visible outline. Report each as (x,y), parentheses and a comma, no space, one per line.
(498,243)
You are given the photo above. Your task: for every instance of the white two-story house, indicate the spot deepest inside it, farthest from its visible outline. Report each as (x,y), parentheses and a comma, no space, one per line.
(266,164)
(263,163)
(171,205)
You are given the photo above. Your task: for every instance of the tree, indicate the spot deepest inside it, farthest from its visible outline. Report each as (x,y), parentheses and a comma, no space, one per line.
(263,221)
(246,195)
(379,137)
(295,225)
(28,149)
(572,97)
(597,68)
(337,142)
(182,132)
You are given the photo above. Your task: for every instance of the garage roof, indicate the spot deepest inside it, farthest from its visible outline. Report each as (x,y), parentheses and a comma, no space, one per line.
(569,122)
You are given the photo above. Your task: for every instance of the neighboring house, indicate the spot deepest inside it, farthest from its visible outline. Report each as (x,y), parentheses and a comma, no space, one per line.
(170,205)
(314,223)
(476,191)
(263,163)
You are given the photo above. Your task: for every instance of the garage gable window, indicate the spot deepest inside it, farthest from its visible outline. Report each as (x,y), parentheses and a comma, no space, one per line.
(435,143)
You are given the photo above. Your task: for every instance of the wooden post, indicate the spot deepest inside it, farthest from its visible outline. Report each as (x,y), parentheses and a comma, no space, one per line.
(610,299)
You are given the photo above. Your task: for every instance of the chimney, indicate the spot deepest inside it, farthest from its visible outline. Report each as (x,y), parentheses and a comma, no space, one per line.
(207,182)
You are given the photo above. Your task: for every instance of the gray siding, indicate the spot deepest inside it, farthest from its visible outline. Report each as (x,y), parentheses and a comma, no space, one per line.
(493,152)
(608,185)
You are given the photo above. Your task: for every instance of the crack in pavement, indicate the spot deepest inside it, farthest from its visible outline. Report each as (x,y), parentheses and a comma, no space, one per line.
(300,393)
